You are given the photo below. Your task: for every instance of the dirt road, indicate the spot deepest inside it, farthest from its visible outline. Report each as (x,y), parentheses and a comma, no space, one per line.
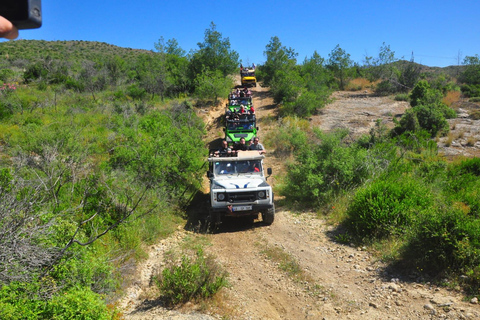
(331,280)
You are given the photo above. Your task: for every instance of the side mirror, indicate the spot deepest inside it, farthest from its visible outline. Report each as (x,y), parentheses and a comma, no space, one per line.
(209,174)
(223,129)
(269,171)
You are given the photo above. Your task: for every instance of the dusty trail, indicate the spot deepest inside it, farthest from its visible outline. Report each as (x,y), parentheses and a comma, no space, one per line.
(339,282)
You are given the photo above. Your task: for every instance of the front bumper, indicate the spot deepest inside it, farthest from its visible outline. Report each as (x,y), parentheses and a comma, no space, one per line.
(229,210)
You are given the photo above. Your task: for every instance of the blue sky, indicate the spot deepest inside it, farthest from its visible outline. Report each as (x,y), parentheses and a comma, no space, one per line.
(437,32)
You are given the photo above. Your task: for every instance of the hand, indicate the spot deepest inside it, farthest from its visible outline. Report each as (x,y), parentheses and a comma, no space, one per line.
(7,29)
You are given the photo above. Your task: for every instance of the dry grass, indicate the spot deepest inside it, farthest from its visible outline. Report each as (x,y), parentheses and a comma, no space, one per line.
(475,115)
(471,141)
(451,97)
(449,140)
(358,84)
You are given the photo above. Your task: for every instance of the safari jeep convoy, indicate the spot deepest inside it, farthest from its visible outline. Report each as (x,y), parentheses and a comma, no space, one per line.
(239,188)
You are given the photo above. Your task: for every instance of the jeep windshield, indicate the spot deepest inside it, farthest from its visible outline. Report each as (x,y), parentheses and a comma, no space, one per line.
(238,167)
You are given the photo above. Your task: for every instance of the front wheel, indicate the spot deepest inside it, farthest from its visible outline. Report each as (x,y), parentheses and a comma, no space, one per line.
(268,216)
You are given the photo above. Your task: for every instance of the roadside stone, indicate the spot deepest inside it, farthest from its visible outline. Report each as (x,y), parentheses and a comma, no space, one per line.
(428,306)
(474,300)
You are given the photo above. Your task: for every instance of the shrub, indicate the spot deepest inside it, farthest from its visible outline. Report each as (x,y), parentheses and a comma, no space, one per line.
(385,88)
(401,97)
(290,137)
(25,301)
(77,303)
(324,169)
(135,92)
(387,206)
(194,278)
(447,240)
(471,90)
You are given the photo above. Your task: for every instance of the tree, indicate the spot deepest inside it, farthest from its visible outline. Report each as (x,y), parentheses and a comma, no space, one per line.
(152,73)
(214,54)
(212,84)
(279,59)
(339,62)
(471,74)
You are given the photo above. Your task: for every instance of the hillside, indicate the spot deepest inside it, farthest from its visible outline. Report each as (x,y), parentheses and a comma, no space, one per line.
(34,50)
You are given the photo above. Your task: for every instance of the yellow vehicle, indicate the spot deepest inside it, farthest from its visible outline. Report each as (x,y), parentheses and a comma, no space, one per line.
(248,77)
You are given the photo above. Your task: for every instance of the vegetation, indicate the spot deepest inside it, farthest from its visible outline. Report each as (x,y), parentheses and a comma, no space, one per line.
(100,152)
(101,148)
(399,190)
(191,279)
(300,90)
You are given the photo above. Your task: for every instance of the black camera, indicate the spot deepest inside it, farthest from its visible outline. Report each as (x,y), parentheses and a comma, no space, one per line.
(24,14)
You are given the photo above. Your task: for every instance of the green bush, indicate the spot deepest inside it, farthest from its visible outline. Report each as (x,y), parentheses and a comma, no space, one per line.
(387,207)
(135,92)
(27,301)
(385,88)
(77,303)
(471,90)
(324,169)
(290,137)
(447,240)
(194,278)
(401,97)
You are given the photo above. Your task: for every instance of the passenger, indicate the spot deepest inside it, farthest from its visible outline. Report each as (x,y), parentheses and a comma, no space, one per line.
(252,110)
(242,109)
(257,146)
(228,168)
(224,150)
(240,146)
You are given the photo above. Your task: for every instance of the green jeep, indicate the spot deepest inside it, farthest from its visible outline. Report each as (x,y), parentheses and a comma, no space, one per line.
(239,126)
(234,104)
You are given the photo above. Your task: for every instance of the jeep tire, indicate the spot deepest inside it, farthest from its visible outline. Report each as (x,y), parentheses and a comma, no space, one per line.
(268,216)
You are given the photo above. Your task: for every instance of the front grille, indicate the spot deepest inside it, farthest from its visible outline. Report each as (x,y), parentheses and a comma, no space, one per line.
(241,197)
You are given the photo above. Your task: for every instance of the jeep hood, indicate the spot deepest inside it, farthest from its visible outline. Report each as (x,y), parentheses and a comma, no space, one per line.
(233,182)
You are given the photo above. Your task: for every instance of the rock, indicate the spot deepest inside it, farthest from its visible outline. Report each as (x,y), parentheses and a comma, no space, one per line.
(428,306)
(474,300)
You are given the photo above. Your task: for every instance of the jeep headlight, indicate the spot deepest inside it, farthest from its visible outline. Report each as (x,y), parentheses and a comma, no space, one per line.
(261,194)
(221,197)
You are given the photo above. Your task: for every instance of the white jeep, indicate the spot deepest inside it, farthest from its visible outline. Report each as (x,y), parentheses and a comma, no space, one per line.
(239,188)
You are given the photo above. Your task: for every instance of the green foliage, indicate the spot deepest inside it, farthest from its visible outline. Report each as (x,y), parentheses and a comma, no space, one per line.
(301,91)
(197,278)
(291,136)
(167,149)
(279,59)
(396,76)
(387,207)
(6,75)
(18,301)
(401,97)
(471,90)
(471,74)
(428,113)
(214,54)
(447,240)
(212,85)
(385,88)
(423,94)
(322,170)
(339,63)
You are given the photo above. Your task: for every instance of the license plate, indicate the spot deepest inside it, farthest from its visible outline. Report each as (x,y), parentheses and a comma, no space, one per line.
(241,208)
